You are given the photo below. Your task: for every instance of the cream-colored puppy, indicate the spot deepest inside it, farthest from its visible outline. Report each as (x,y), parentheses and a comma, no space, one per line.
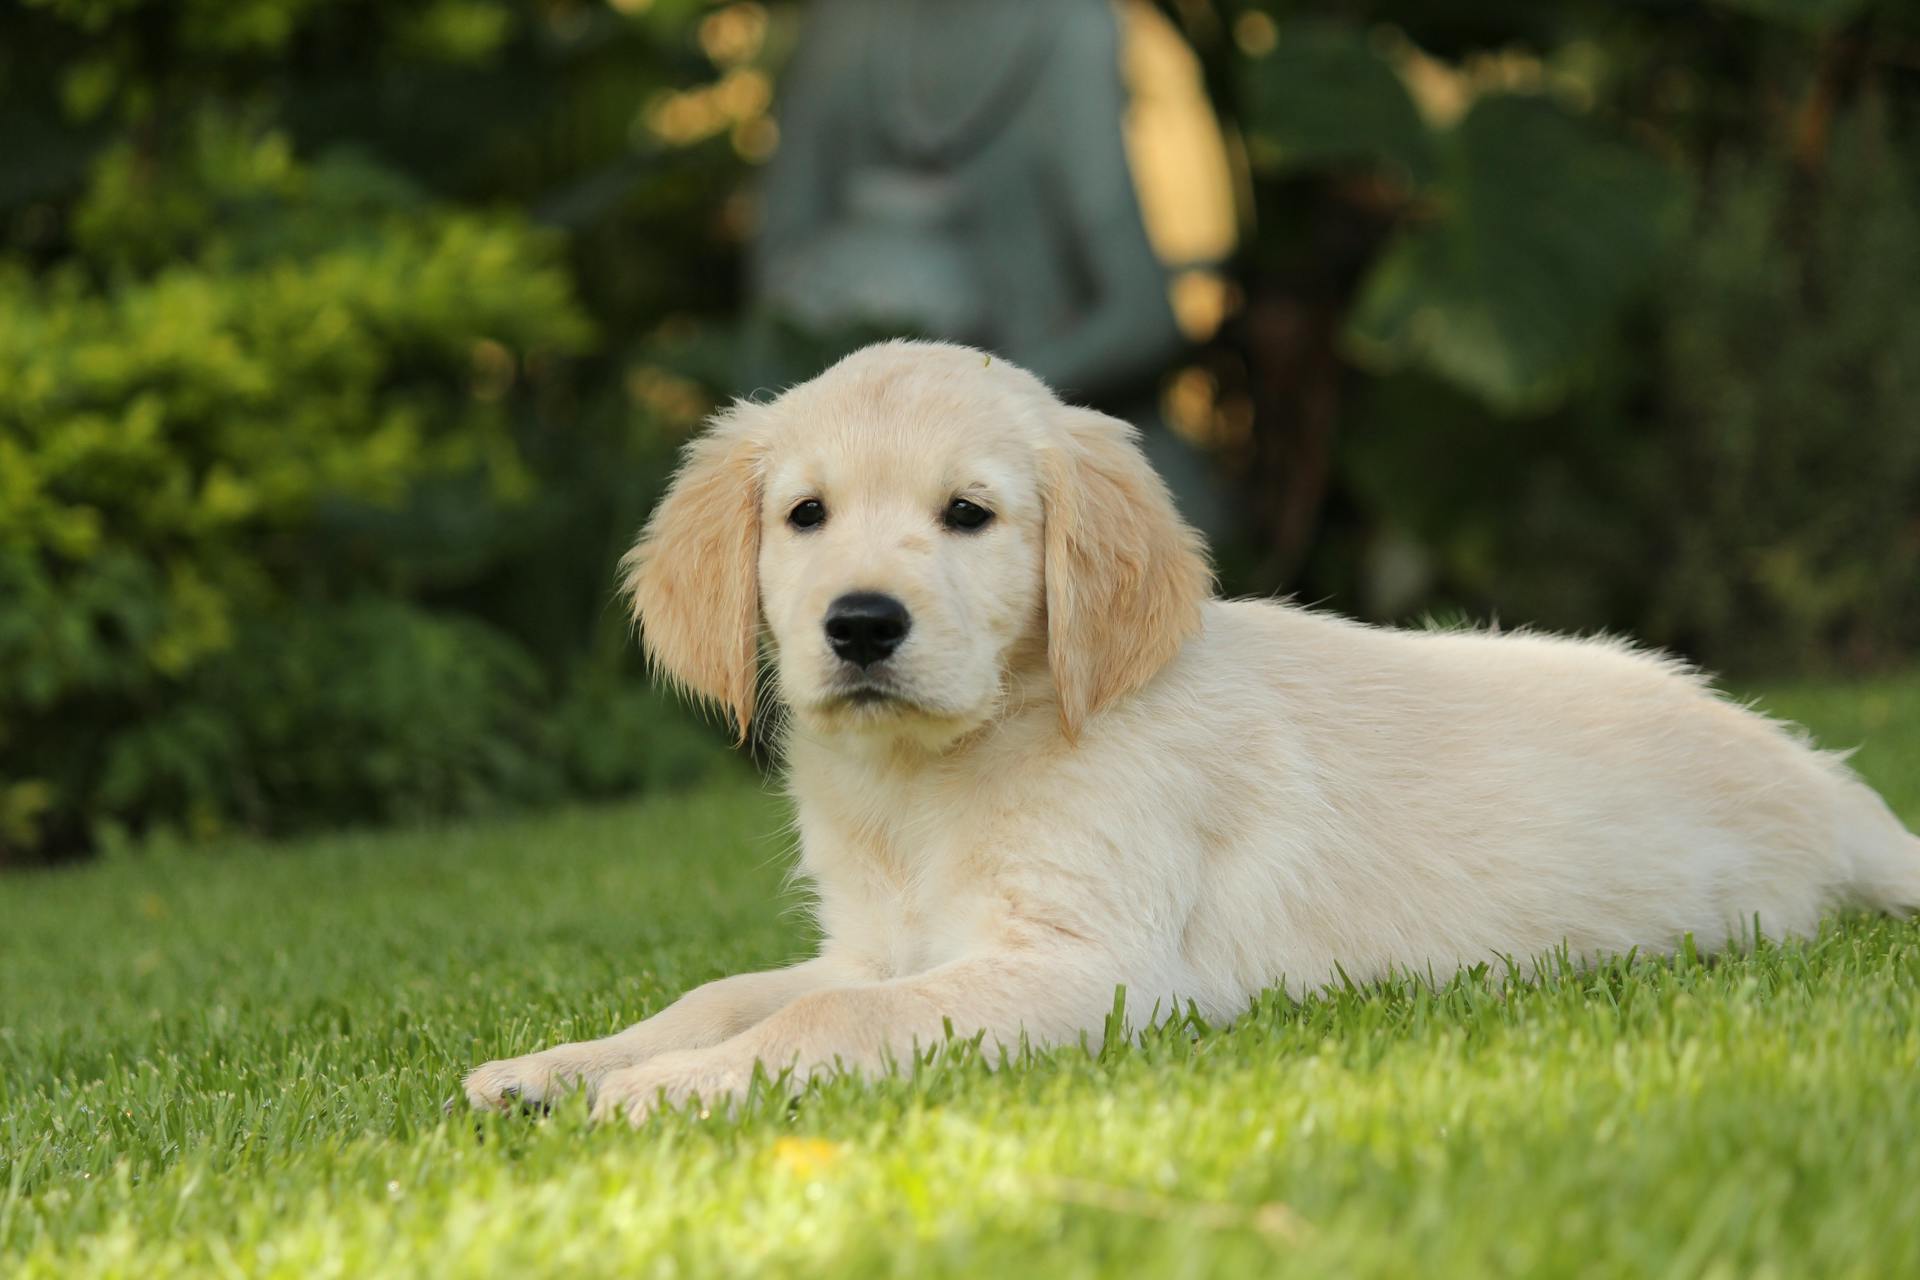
(1033,759)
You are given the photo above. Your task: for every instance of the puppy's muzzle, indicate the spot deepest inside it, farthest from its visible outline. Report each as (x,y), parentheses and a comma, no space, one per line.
(864,627)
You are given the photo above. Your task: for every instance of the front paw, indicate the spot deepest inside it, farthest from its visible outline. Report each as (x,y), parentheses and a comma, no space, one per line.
(531,1082)
(668,1081)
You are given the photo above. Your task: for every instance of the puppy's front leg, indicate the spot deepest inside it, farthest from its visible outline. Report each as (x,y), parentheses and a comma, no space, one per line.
(704,1016)
(1049,996)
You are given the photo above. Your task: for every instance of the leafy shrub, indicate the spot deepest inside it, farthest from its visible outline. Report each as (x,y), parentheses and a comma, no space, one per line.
(1518,231)
(374,710)
(614,736)
(1741,482)
(312,466)
(168,442)
(1794,388)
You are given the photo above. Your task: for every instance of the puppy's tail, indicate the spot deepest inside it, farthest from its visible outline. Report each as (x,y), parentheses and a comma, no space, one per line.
(1906,898)
(1887,872)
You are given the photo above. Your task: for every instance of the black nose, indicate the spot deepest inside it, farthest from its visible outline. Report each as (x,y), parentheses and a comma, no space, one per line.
(865,626)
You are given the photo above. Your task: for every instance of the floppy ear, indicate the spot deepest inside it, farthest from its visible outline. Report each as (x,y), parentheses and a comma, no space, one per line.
(694,576)
(1126,576)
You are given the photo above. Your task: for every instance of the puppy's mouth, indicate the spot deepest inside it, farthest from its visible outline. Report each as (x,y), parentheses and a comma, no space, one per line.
(860,696)
(869,695)
(872,703)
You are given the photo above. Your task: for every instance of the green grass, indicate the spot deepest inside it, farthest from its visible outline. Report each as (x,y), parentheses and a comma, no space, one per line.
(232,1061)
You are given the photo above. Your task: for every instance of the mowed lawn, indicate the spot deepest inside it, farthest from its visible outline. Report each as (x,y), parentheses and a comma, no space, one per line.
(233,1061)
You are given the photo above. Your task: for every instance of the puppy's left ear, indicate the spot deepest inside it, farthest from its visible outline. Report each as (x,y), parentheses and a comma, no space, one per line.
(694,576)
(1126,576)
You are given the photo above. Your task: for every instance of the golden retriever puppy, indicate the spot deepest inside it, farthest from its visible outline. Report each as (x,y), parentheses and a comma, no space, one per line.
(1034,759)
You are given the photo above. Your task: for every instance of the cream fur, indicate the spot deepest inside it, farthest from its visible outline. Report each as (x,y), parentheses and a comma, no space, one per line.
(1098,775)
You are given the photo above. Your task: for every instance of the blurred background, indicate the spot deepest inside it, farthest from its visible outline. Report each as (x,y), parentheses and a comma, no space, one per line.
(344,345)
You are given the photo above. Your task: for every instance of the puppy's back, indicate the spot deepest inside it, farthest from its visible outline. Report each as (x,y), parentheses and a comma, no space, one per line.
(1436,796)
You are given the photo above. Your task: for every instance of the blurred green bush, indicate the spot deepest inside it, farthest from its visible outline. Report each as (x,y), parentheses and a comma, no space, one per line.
(1792,365)
(1589,316)
(1741,481)
(276,423)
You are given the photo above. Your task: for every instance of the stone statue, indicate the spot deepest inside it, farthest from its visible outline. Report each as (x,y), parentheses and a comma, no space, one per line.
(958,169)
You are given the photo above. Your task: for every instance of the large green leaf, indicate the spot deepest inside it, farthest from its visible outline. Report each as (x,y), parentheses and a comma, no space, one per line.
(1324,96)
(1543,227)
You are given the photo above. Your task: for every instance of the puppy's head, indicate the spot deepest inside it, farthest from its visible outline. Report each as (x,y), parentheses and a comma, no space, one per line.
(921,530)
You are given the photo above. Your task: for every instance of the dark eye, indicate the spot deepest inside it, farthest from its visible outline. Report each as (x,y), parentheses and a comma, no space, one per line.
(807,515)
(966,516)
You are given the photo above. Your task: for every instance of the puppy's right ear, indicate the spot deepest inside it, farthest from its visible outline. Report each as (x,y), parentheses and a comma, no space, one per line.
(694,577)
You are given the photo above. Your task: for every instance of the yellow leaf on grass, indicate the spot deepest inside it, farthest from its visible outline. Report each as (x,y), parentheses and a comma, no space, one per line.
(806,1156)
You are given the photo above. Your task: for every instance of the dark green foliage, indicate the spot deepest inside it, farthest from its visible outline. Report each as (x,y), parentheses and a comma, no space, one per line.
(169,446)
(1601,314)
(1521,227)
(1811,14)
(1543,227)
(377,710)
(372,709)
(1794,366)
(1326,96)
(310,480)
(1742,481)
